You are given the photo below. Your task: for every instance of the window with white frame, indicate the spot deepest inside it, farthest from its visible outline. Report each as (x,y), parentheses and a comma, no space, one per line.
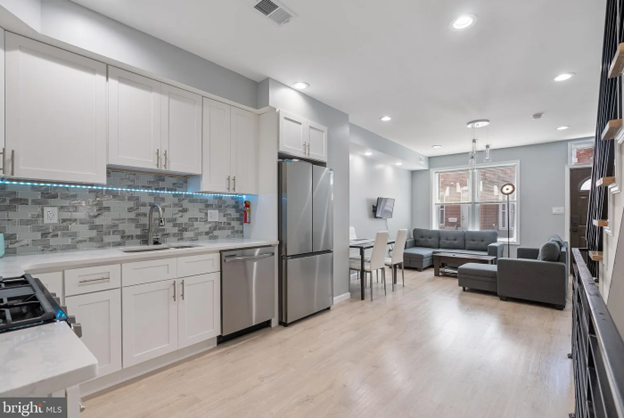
(467,199)
(581,152)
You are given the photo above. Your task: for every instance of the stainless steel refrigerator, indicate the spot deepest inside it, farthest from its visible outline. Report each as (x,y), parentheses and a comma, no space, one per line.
(306,238)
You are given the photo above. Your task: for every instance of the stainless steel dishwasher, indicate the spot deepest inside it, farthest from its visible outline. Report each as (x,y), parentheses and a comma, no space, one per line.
(247,290)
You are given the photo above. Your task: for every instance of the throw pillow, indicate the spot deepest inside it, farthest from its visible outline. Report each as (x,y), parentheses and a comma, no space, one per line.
(557,239)
(549,252)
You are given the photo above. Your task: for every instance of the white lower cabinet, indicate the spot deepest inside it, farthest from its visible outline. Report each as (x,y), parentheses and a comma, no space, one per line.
(150,321)
(199,309)
(53,282)
(100,316)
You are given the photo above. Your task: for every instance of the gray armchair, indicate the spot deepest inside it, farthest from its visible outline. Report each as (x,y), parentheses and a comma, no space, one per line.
(531,279)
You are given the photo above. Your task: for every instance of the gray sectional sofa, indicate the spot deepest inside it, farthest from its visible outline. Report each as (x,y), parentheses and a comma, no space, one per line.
(419,250)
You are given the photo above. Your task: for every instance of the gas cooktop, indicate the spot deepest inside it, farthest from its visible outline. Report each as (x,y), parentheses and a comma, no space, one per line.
(25,302)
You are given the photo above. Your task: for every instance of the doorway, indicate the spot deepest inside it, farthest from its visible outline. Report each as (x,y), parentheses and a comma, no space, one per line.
(580,186)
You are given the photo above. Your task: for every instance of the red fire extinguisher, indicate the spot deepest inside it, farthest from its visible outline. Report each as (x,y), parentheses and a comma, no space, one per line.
(247,219)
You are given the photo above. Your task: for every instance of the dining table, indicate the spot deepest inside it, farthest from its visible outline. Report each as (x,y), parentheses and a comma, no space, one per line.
(364,244)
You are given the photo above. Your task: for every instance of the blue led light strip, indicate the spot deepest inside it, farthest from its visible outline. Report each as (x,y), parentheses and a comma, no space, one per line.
(120,189)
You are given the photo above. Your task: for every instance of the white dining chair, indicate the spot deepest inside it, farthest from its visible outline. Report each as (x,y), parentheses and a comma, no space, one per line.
(396,258)
(376,262)
(353,253)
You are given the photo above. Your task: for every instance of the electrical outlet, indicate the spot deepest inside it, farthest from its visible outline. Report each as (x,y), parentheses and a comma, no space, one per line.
(213,216)
(50,215)
(558,211)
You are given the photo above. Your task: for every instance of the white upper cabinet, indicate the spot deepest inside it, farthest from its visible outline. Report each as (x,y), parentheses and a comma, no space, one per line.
(299,137)
(292,134)
(317,141)
(55,114)
(134,120)
(216,147)
(181,123)
(230,150)
(153,125)
(244,151)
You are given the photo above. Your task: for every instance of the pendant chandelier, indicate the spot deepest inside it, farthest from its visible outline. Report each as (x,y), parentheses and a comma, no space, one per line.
(472,157)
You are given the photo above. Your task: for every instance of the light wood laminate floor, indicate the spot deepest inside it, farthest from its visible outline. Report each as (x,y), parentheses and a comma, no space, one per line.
(426,350)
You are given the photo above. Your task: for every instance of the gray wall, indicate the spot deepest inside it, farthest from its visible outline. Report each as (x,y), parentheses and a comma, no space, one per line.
(542,187)
(368,181)
(75,25)
(284,97)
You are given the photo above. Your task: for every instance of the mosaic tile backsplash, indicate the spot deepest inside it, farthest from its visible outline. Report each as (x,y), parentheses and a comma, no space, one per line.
(90,218)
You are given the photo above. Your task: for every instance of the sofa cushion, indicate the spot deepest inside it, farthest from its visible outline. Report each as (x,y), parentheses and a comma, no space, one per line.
(460,251)
(426,238)
(479,240)
(549,251)
(418,252)
(452,239)
(479,270)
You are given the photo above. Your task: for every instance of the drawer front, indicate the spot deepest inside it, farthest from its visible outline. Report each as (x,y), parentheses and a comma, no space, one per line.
(52,281)
(198,264)
(92,279)
(148,271)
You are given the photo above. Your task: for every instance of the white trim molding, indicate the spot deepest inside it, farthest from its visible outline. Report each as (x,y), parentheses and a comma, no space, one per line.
(619,155)
(342,298)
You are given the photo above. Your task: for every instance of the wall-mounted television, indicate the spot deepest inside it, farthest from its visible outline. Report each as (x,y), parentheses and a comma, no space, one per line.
(384,208)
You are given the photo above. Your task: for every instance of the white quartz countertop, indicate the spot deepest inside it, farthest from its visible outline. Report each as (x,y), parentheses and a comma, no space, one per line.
(40,360)
(40,263)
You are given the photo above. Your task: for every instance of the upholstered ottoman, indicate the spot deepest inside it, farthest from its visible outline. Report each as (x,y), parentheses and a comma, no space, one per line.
(478,276)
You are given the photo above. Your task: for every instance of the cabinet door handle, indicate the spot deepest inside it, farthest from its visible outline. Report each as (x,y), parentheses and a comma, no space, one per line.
(182,289)
(99,279)
(3,161)
(165,157)
(12,162)
(157,157)
(174,291)
(234,183)
(228,183)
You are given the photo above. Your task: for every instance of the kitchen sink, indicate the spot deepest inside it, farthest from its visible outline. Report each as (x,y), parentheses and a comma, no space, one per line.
(151,248)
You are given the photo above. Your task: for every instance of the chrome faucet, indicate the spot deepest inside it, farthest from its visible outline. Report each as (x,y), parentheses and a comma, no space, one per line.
(161,222)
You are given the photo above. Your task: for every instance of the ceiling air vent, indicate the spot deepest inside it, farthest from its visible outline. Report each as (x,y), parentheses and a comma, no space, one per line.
(274,10)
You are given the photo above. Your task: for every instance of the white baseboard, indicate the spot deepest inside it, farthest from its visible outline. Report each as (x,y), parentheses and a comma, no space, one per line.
(342,298)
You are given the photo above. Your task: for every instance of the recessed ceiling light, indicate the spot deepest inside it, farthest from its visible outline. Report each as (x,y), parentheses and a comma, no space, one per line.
(368,153)
(564,76)
(399,163)
(436,146)
(562,128)
(300,85)
(464,21)
(479,123)
(385,118)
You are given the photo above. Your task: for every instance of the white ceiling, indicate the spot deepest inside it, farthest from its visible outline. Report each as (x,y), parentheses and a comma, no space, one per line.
(400,58)
(405,164)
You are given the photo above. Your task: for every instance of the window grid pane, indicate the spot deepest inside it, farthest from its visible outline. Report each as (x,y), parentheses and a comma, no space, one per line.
(453,217)
(453,187)
(491,179)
